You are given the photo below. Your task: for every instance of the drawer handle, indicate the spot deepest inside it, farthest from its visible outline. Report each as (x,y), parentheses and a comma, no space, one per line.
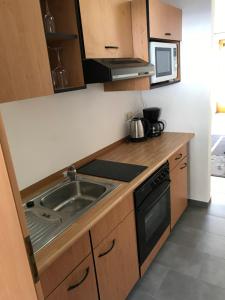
(111,47)
(110,249)
(72,287)
(168,34)
(184,166)
(179,156)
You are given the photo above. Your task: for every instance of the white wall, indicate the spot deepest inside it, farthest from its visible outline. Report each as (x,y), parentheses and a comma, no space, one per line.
(186,106)
(49,133)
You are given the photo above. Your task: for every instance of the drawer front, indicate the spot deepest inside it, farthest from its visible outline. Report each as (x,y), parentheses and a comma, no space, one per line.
(65,264)
(111,220)
(80,284)
(177,157)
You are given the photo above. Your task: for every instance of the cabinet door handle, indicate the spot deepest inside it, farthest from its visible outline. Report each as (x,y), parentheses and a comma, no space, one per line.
(179,156)
(111,47)
(184,166)
(72,287)
(168,34)
(110,249)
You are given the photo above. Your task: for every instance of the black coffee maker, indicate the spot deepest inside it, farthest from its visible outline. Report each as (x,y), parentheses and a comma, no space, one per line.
(152,115)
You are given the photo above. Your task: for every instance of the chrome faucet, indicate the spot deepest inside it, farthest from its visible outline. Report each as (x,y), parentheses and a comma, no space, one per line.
(72,173)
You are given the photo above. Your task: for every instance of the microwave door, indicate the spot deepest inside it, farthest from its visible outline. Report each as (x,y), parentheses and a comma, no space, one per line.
(163,62)
(164,58)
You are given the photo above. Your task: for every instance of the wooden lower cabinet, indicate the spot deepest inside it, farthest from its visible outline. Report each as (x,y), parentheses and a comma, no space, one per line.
(179,193)
(79,285)
(117,262)
(65,264)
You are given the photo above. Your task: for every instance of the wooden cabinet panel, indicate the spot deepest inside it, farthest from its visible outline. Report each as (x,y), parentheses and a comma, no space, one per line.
(179,191)
(25,71)
(165,21)
(140,47)
(16,279)
(107,28)
(79,285)
(111,220)
(176,158)
(64,265)
(117,262)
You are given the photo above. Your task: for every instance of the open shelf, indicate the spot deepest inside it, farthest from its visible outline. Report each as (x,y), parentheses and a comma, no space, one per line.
(66,37)
(69,89)
(71,61)
(54,36)
(165,83)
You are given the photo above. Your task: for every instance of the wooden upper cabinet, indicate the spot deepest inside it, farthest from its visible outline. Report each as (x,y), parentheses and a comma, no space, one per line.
(107,28)
(25,70)
(165,21)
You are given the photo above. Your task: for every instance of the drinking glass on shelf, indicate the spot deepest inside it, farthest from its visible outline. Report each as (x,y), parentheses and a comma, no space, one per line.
(59,73)
(49,19)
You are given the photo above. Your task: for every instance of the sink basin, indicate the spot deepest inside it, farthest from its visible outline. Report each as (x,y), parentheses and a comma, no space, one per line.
(73,196)
(53,211)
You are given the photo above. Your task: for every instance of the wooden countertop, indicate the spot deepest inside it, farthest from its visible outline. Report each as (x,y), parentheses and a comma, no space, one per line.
(152,153)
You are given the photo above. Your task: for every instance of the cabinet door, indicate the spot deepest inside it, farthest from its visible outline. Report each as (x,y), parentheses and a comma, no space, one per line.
(107,28)
(65,264)
(25,71)
(179,196)
(116,261)
(16,281)
(165,21)
(119,28)
(79,285)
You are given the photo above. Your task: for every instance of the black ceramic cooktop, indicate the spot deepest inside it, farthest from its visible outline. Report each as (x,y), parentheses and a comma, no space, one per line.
(112,170)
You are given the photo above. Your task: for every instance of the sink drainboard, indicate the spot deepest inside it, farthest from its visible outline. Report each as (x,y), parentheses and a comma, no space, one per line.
(40,229)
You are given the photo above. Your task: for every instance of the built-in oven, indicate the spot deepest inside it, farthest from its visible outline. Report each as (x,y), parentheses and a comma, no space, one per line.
(152,210)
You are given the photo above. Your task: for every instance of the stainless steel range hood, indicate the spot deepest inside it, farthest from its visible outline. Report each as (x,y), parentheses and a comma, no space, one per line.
(106,70)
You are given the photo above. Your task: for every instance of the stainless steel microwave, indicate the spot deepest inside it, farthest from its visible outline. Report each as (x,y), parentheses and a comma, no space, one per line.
(164,57)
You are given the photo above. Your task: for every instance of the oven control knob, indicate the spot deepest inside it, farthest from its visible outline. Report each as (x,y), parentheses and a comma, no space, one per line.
(157,180)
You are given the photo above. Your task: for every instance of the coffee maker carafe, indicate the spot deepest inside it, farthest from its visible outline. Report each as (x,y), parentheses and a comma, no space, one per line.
(152,115)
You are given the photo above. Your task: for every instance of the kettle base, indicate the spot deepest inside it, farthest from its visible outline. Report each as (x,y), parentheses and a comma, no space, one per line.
(137,140)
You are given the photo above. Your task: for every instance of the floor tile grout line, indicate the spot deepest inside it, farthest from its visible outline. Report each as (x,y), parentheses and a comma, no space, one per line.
(209,232)
(191,277)
(197,250)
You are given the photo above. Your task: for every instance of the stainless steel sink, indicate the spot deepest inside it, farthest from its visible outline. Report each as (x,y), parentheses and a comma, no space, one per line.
(73,196)
(53,211)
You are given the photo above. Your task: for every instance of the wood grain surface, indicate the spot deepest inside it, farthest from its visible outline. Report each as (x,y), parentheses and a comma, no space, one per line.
(152,153)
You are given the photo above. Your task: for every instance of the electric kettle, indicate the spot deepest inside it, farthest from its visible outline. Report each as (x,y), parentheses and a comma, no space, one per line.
(139,129)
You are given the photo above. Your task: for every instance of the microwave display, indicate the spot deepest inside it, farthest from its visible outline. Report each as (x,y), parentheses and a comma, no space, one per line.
(164,58)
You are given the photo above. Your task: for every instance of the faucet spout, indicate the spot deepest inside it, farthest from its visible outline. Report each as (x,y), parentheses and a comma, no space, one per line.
(72,173)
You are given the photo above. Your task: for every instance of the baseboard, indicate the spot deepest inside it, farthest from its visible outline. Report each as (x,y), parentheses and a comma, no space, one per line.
(192,202)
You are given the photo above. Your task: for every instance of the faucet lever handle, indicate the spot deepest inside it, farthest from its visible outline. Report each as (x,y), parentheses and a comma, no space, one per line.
(71,168)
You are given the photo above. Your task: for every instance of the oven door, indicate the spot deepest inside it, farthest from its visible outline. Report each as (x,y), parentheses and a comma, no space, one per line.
(152,219)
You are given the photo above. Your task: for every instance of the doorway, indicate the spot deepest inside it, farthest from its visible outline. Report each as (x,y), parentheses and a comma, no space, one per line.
(218,123)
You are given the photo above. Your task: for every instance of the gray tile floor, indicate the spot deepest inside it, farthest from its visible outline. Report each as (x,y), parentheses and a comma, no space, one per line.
(191,265)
